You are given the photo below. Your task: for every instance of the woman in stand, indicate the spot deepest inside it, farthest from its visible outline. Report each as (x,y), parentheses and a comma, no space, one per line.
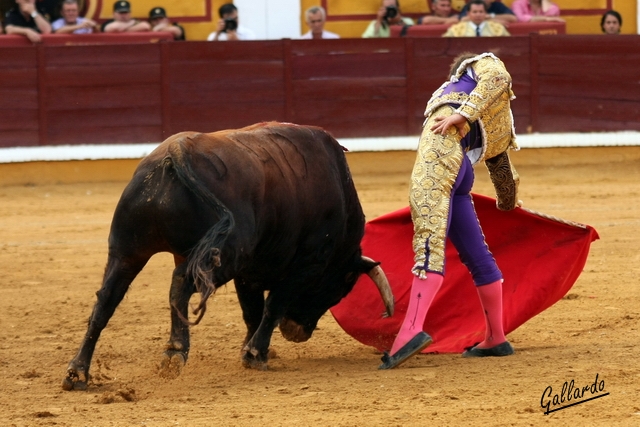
(611,22)
(536,11)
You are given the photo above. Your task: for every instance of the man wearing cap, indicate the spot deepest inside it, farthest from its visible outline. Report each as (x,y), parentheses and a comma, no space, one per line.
(123,21)
(25,19)
(159,22)
(71,22)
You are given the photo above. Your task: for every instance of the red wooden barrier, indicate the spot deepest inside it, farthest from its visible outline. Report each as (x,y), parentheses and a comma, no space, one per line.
(19,97)
(143,92)
(214,86)
(355,87)
(102,93)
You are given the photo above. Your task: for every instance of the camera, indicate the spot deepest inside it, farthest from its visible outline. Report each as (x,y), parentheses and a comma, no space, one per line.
(230,25)
(392,12)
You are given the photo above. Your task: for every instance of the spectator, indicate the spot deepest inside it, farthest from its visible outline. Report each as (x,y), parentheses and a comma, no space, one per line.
(159,22)
(477,24)
(123,22)
(611,22)
(496,11)
(71,22)
(25,19)
(229,27)
(441,13)
(316,17)
(536,11)
(388,14)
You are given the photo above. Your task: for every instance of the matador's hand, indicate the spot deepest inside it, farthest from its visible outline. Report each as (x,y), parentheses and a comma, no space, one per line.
(444,123)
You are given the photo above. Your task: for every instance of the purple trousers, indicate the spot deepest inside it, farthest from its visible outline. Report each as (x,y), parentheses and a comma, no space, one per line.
(464,231)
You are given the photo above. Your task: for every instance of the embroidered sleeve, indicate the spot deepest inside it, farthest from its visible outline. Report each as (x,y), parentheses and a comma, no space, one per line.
(493,80)
(505,180)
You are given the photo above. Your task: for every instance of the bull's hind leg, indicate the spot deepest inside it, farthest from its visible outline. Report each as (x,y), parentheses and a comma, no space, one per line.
(177,350)
(118,276)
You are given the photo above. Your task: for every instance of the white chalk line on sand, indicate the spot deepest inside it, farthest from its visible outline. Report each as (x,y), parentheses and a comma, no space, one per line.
(138,151)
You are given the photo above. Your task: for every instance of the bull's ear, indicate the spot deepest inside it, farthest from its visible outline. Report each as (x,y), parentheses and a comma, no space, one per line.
(351,277)
(368,264)
(365,265)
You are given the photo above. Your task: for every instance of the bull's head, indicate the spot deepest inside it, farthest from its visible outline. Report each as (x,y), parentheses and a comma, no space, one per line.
(302,318)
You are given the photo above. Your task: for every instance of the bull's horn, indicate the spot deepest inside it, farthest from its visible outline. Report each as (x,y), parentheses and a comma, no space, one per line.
(380,279)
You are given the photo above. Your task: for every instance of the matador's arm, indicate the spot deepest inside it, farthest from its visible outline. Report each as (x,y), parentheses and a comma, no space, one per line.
(494,85)
(505,180)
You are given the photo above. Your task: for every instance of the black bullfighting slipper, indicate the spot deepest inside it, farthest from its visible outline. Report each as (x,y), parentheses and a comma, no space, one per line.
(415,345)
(504,349)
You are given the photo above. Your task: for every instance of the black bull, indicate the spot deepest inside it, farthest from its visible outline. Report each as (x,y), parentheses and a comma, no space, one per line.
(271,206)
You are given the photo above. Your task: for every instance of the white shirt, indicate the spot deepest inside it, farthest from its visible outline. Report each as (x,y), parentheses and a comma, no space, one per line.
(325,35)
(243,34)
(59,23)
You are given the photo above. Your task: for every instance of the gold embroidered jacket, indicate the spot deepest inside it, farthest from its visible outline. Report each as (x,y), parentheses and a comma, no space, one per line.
(489,105)
(467,29)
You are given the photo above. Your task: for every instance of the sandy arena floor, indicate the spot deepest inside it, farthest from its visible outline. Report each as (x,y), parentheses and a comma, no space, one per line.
(52,255)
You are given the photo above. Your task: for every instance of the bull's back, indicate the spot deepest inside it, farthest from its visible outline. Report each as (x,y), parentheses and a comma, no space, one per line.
(267,163)
(271,176)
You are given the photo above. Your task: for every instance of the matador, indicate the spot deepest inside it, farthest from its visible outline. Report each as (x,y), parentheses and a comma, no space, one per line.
(468,120)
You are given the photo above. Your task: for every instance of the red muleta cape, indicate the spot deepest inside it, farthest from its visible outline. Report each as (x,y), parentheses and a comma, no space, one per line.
(540,258)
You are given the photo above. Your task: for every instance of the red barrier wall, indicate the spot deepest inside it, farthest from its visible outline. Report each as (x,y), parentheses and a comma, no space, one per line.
(144,92)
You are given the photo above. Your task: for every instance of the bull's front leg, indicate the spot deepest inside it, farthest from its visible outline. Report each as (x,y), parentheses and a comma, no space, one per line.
(251,299)
(177,349)
(256,351)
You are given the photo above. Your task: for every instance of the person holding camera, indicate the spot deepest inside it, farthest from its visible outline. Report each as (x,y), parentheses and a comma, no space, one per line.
(228,26)
(388,14)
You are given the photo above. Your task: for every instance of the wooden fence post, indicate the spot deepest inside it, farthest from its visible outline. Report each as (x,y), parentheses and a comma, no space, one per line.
(165,87)
(289,102)
(534,40)
(42,95)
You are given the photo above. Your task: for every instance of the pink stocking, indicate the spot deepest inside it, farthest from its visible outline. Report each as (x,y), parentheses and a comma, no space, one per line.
(491,299)
(422,294)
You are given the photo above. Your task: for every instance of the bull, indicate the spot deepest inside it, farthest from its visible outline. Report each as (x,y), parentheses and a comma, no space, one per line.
(271,206)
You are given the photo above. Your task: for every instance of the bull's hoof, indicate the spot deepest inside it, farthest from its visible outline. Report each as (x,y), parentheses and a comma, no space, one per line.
(172,364)
(68,385)
(77,377)
(252,359)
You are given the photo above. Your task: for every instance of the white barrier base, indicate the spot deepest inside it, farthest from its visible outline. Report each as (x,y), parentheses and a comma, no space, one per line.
(138,151)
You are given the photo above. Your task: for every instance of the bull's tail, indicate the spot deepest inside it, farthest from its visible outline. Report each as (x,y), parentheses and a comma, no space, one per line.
(205,255)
